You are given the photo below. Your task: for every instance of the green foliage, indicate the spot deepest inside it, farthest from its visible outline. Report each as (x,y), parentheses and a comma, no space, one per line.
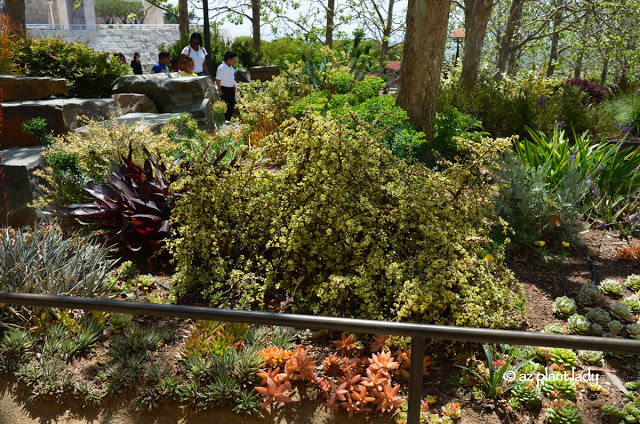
(38,127)
(247,56)
(281,51)
(592,357)
(564,307)
(535,208)
(629,413)
(376,250)
(578,324)
(126,11)
(15,346)
(621,311)
(611,287)
(447,127)
(563,357)
(557,385)
(589,295)
(367,88)
(211,338)
(562,412)
(528,394)
(10,45)
(42,261)
(633,303)
(598,316)
(633,282)
(91,74)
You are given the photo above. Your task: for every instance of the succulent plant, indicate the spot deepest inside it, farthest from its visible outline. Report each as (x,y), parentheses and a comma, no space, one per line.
(596,330)
(621,311)
(592,357)
(564,413)
(611,287)
(632,302)
(564,307)
(528,394)
(589,295)
(633,282)
(578,324)
(563,357)
(633,330)
(555,328)
(615,327)
(598,316)
(557,385)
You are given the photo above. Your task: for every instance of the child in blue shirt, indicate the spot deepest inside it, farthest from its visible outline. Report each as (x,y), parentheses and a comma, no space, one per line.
(161,66)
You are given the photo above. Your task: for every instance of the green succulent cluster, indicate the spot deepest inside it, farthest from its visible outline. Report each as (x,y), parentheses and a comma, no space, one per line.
(633,282)
(564,307)
(578,324)
(598,316)
(339,217)
(559,385)
(564,357)
(589,295)
(633,302)
(528,394)
(621,311)
(592,357)
(564,413)
(555,328)
(611,287)
(615,327)
(629,413)
(633,330)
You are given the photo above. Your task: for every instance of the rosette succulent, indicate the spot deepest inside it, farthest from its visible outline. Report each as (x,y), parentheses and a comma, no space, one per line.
(564,307)
(633,282)
(592,357)
(557,385)
(633,303)
(589,295)
(563,357)
(530,368)
(528,394)
(611,287)
(578,324)
(621,311)
(596,330)
(633,330)
(598,316)
(555,328)
(564,413)
(615,327)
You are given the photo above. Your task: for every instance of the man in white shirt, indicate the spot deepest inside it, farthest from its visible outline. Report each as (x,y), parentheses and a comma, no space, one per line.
(226,83)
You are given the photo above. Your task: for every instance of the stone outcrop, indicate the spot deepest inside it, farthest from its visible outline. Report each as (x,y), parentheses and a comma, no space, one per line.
(242,76)
(264,73)
(154,121)
(62,115)
(135,103)
(172,93)
(21,186)
(31,88)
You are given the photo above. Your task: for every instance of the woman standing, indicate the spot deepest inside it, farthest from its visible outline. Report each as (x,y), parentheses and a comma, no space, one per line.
(195,51)
(136,65)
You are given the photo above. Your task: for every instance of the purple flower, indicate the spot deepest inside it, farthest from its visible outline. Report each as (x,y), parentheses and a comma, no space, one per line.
(618,124)
(542,100)
(627,123)
(561,125)
(572,157)
(539,166)
(603,225)
(601,167)
(589,181)
(594,191)
(634,218)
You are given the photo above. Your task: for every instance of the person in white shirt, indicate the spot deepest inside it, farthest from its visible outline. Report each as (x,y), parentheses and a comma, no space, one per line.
(198,53)
(226,83)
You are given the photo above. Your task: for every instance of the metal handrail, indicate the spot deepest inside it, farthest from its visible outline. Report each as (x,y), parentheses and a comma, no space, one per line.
(417,332)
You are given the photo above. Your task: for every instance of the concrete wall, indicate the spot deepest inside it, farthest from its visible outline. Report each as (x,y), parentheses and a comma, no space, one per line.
(37,11)
(127,41)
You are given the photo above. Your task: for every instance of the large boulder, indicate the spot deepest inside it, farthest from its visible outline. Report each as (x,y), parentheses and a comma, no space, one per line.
(174,94)
(264,73)
(62,115)
(135,103)
(31,88)
(242,76)
(20,184)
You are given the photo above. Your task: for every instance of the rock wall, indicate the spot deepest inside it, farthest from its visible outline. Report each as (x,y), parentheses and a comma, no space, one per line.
(125,40)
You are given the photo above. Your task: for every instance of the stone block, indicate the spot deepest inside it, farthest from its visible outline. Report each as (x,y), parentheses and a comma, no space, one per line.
(62,115)
(172,93)
(21,185)
(135,103)
(31,88)
(154,121)
(242,76)
(264,73)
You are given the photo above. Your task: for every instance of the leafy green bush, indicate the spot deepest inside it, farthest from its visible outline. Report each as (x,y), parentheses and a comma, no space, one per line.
(92,74)
(569,106)
(344,228)
(247,56)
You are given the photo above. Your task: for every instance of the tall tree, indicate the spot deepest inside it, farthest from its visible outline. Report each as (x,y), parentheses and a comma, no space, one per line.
(476,19)
(422,58)
(238,11)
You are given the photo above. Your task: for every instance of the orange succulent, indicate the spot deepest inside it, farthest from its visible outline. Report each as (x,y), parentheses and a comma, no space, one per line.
(300,366)
(347,345)
(274,392)
(275,357)
(382,361)
(273,374)
(387,399)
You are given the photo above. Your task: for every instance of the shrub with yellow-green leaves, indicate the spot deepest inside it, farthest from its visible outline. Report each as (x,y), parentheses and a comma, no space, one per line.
(337,225)
(78,157)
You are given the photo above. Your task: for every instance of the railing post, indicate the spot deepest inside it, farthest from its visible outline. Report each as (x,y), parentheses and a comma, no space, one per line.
(415,380)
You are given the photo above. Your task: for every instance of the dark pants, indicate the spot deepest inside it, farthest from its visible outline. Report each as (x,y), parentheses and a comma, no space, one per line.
(229,97)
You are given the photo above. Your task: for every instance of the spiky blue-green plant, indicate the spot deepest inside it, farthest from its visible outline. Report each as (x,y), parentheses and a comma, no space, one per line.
(578,324)
(554,328)
(589,295)
(621,311)
(611,287)
(598,316)
(633,282)
(564,307)
(632,302)
(592,357)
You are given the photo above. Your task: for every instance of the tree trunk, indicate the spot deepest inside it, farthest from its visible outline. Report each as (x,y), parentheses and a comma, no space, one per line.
(577,73)
(255,23)
(422,57)
(506,42)
(331,4)
(476,19)
(15,11)
(605,71)
(386,33)
(555,40)
(183,18)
